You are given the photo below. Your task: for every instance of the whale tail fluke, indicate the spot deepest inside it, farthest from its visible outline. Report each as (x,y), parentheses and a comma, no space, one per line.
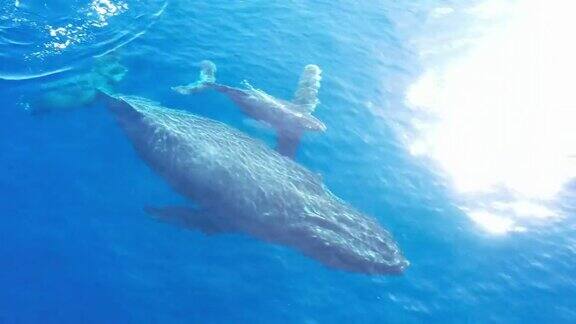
(306,95)
(206,79)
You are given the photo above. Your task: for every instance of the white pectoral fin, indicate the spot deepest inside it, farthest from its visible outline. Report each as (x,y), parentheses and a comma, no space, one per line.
(187,217)
(306,95)
(207,72)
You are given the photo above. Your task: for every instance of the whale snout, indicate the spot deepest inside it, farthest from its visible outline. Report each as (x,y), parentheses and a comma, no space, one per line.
(388,261)
(396,268)
(386,257)
(377,255)
(343,238)
(383,264)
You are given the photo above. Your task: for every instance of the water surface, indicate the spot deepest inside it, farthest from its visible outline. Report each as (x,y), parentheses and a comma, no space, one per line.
(448,121)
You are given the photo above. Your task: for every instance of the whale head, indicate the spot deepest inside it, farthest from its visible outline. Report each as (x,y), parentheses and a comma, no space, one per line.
(345,239)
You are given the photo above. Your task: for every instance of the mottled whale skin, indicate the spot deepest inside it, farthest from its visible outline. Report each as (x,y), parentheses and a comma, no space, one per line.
(242,186)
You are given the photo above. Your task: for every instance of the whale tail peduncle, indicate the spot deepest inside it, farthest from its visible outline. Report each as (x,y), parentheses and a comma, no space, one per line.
(206,79)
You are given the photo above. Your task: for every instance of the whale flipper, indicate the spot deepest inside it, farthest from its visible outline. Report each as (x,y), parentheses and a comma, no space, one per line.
(206,79)
(306,95)
(287,144)
(202,220)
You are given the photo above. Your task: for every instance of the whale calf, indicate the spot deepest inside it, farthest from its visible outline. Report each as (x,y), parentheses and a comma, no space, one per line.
(242,186)
(289,118)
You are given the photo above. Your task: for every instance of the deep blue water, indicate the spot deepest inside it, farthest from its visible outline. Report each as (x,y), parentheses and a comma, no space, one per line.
(76,245)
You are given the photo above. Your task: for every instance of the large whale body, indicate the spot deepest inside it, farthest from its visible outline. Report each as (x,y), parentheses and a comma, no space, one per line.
(242,186)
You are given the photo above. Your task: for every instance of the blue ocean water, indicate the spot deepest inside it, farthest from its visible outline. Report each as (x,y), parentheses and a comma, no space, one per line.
(76,245)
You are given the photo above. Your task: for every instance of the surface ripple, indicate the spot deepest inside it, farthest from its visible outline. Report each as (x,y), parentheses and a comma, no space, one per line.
(40,39)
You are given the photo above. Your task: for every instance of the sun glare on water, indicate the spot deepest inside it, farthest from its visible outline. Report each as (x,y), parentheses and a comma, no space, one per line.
(96,14)
(499,112)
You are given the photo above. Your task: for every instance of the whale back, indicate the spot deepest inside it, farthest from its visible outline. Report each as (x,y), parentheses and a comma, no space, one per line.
(181,145)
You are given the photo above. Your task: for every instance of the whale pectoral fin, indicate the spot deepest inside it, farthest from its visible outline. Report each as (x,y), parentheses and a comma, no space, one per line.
(202,220)
(306,96)
(288,143)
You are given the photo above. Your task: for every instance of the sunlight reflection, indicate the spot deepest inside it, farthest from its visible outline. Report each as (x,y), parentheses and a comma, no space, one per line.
(493,223)
(97,15)
(499,115)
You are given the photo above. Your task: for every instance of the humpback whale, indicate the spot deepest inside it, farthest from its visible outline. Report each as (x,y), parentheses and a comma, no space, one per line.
(81,89)
(242,186)
(289,118)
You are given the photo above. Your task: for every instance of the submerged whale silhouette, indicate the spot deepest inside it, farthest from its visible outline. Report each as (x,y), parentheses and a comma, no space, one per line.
(289,118)
(242,186)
